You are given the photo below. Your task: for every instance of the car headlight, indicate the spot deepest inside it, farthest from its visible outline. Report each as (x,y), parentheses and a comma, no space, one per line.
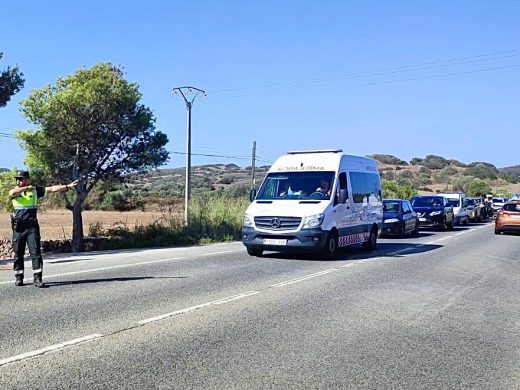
(391,220)
(313,221)
(248,221)
(435,213)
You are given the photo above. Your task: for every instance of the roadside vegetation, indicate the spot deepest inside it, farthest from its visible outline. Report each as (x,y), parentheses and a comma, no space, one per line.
(213,217)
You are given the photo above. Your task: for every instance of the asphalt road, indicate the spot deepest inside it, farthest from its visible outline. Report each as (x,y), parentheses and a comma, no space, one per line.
(441,311)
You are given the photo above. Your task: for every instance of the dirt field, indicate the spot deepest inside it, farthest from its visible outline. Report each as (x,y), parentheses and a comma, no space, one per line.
(57,224)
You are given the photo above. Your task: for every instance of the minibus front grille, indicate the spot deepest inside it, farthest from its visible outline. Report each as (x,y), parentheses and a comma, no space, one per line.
(277,223)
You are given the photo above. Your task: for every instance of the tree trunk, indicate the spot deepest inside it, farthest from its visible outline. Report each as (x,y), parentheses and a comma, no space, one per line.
(77,224)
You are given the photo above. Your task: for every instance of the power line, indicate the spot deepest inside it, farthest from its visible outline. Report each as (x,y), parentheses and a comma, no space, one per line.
(213,155)
(400,69)
(382,82)
(221,156)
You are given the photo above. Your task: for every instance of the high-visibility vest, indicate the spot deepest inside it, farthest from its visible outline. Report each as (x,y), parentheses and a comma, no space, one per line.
(26,200)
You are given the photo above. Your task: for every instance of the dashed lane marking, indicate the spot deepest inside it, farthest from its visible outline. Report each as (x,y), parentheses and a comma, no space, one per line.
(198,307)
(52,348)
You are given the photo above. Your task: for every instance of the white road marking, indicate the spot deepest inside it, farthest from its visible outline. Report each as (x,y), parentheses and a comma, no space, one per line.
(302,278)
(222,252)
(198,307)
(52,348)
(439,239)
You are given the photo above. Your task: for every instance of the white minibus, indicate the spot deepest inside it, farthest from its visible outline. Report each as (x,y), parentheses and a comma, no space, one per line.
(315,201)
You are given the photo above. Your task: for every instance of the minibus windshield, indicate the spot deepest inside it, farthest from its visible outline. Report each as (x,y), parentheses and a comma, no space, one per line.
(297,185)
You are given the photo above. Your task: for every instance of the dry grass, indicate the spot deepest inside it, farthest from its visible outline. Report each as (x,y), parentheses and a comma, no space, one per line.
(57,224)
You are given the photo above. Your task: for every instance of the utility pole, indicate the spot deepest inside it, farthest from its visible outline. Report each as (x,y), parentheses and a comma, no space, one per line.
(253,166)
(185,92)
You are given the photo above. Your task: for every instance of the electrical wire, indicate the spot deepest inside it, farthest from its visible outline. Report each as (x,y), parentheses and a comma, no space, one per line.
(380,82)
(408,68)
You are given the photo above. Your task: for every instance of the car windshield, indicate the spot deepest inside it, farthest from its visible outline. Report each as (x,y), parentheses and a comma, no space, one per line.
(471,202)
(391,206)
(497,200)
(297,185)
(454,202)
(512,207)
(427,201)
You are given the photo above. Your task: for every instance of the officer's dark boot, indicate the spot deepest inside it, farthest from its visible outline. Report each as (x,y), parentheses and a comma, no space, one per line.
(19,280)
(38,281)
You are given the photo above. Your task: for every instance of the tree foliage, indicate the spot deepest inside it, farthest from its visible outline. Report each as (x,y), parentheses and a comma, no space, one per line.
(393,190)
(478,187)
(91,127)
(6,183)
(11,81)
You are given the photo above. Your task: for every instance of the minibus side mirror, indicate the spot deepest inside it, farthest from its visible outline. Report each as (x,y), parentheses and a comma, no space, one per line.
(252,194)
(343,195)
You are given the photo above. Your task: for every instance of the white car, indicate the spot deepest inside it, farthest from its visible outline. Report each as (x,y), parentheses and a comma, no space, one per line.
(497,203)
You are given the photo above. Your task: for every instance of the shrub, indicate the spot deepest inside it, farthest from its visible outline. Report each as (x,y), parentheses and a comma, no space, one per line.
(435,162)
(482,171)
(388,159)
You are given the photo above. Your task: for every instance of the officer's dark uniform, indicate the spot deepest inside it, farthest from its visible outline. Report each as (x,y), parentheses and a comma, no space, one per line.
(26,230)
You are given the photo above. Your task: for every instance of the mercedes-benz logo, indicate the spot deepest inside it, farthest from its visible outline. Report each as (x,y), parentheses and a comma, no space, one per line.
(275,223)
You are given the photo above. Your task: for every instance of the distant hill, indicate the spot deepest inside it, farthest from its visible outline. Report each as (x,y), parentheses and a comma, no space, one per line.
(427,174)
(513,170)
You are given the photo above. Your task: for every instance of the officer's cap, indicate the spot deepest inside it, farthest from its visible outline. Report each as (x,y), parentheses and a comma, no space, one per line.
(21,175)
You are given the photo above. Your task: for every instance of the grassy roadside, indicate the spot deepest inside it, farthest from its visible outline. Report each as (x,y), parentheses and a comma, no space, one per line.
(213,217)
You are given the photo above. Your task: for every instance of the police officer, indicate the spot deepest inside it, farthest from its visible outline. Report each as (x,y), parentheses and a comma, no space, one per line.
(26,229)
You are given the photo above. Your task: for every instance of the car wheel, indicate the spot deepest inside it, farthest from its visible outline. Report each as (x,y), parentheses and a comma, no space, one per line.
(442,226)
(415,232)
(372,241)
(331,247)
(254,251)
(402,233)
(497,231)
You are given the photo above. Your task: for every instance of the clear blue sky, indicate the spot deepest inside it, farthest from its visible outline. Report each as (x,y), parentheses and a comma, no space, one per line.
(407,78)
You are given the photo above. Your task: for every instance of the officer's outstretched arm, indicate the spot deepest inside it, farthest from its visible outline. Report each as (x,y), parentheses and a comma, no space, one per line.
(62,187)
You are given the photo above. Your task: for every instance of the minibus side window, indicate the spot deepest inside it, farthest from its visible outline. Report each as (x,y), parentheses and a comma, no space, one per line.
(342,186)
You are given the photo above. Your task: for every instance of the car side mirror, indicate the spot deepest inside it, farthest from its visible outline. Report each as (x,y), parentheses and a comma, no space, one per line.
(252,194)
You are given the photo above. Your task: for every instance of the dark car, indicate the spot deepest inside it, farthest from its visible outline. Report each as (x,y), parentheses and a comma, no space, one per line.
(399,218)
(476,209)
(433,211)
(508,218)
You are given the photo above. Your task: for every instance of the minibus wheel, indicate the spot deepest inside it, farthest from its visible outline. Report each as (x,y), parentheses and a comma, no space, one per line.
(372,240)
(331,247)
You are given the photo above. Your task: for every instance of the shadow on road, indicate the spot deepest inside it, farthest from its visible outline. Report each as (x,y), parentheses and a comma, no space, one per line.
(383,249)
(108,280)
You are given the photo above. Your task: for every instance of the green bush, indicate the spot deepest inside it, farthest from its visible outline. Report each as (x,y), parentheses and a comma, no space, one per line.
(393,190)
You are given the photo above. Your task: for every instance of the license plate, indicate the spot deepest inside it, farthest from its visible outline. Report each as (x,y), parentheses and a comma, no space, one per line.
(273,241)
(422,219)
(514,216)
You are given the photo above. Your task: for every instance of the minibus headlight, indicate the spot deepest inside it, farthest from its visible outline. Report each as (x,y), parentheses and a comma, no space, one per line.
(313,221)
(248,221)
